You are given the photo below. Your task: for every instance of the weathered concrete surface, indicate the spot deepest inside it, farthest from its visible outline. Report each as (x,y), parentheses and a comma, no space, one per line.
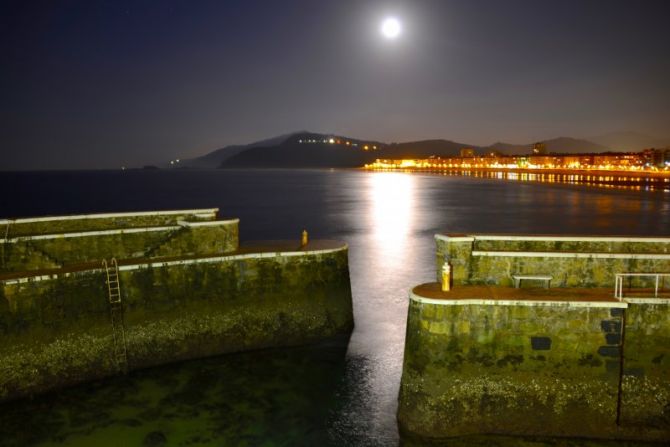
(646,366)
(57,332)
(581,262)
(10,228)
(532,367)
(184,239)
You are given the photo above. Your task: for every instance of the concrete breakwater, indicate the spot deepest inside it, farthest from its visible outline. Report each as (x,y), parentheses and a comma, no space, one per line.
(182,288)
(571,360)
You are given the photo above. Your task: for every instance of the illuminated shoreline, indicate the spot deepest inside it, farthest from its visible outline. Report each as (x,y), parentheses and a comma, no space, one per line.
(664,174)
(598,178)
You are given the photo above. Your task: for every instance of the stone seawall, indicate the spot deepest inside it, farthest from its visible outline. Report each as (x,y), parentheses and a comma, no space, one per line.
(487,360)
(646,365)
(52,250)
(109,221)
(57,331)
(570,360)
(572,261)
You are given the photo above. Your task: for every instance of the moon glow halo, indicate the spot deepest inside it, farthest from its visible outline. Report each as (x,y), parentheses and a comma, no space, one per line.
(391,28)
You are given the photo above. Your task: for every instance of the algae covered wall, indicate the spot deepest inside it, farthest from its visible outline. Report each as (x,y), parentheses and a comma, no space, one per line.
(64,224)
(585,262)
(646,365)
(510,369)
(29,253)
(57,332)
(537,369)
(571,367)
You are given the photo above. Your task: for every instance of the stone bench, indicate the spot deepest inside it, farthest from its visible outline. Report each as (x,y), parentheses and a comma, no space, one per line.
(546,279)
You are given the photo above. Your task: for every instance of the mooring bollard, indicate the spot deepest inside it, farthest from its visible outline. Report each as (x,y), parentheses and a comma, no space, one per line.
(304,239)
(446,277)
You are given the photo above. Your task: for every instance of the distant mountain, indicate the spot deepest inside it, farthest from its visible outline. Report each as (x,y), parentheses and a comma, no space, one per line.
(310,149)
(509,149)
(218,156)
(424,149)
(566,145)
(560,145)
(630,141)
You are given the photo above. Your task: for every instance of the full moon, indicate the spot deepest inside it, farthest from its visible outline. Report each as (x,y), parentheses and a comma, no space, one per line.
(391,28)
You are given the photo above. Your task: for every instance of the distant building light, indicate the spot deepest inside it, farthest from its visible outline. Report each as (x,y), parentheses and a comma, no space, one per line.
(331,141)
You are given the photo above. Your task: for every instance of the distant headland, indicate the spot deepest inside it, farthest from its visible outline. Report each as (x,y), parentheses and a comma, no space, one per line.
(305,149)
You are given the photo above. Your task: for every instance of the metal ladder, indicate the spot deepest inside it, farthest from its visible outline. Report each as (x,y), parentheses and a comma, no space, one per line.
(5,243)
(116,313)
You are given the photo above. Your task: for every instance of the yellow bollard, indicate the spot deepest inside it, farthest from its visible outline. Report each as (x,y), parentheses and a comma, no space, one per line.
(446,277)
(305,238)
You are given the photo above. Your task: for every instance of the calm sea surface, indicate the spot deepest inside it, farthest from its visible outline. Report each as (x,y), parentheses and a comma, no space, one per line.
(336,394)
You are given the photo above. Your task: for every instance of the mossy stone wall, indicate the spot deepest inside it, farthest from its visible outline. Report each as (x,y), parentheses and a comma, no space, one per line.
(31,254)
(646,366)
(15,228)
(569,271)
(58,332)
(566,245)
(536,370)
(522,370)
(210,239)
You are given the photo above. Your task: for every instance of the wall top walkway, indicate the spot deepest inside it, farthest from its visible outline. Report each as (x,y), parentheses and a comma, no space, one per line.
(268,249)
(431,293)
(571,254)
(73,234)
(204,213)
(520,237)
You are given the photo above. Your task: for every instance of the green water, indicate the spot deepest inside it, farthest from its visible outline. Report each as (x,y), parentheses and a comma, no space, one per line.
(263,398)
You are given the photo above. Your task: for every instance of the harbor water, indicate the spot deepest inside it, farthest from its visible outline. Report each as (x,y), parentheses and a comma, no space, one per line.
(342,393)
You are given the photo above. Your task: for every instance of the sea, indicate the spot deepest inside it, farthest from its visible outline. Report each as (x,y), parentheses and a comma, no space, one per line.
(341,393)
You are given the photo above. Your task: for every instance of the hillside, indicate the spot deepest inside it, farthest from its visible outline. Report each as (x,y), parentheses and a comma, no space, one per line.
(215,158)
(567,145)
(424,149)
(630,141)
(308,150)
(311,149)
(560,145)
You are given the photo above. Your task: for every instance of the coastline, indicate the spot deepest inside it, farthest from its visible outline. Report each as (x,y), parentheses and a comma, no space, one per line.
(586,172)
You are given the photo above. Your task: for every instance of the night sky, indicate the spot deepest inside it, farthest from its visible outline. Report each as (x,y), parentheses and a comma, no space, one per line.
(101,84)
